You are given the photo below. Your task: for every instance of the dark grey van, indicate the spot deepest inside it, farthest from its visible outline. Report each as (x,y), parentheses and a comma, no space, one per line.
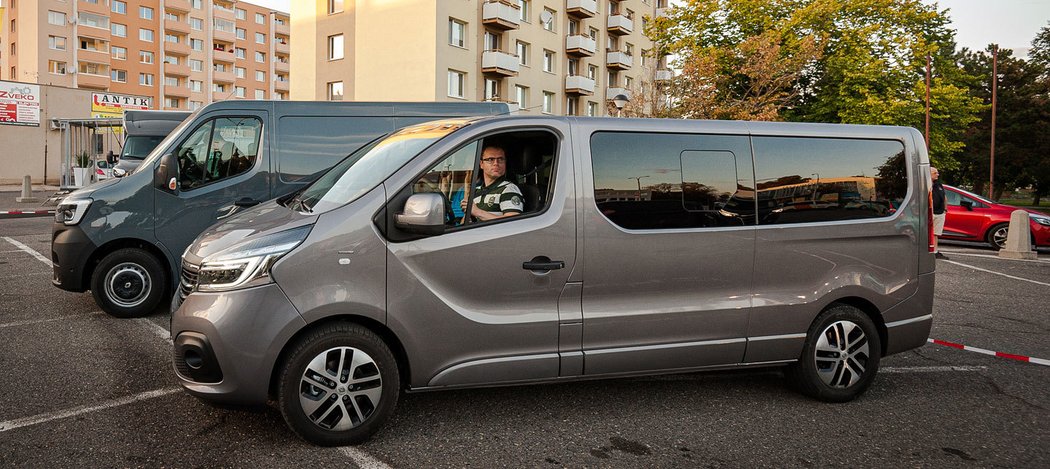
(122,238)
(143,131)
(585,248)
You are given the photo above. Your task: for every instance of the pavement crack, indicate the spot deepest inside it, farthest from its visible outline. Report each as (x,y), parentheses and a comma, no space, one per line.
(998,389)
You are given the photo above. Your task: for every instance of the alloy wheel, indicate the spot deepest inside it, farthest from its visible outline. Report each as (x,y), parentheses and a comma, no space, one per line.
(340,388)
(841,354)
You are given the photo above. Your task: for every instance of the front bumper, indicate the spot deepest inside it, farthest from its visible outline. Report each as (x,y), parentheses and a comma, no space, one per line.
(70,250)
(236,337)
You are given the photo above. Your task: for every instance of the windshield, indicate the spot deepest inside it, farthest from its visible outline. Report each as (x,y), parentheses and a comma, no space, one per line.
(975,196)
(138,147)
(164,144)
(366,168)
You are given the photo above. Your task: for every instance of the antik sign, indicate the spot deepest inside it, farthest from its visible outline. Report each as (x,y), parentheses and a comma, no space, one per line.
(114,105)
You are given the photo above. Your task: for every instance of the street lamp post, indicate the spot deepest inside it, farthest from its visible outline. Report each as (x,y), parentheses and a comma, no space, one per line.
(620,101)
(638,179)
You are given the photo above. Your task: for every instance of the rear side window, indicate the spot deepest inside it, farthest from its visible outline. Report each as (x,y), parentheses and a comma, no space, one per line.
(665,181)
(802,180)
(310,146)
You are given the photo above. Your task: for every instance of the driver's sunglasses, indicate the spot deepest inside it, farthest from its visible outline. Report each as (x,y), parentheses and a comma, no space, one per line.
(494,160)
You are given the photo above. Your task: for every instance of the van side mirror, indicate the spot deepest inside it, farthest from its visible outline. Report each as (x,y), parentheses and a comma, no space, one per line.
(166,174)
(423,214)
(968,204)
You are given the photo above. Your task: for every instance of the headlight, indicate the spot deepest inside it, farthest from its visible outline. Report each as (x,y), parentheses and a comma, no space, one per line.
(247,264)
(71,211)
(1045,221)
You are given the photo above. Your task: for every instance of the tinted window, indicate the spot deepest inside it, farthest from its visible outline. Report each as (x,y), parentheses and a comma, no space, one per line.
(654,181)
(311,145)
(219,149)
(804,180)
(138,147)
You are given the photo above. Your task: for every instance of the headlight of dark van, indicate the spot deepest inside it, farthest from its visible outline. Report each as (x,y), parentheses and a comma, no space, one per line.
(71,211)
(247,264)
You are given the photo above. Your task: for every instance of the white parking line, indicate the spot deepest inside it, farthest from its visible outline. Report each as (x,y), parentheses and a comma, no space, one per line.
(929,369)
(29,250)
(999,273)
(157,329)
(992,256)
(363,459)
(84,409)
(38,321)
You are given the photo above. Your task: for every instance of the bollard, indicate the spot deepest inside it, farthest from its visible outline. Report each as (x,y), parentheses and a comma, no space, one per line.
(1018,240)
(27,191)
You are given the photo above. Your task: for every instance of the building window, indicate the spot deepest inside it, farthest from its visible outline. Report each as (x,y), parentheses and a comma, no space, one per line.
(457,33)
(195,105)
(335,91)
(260,18)
(56,42)
(197,44)
(90,68)
(93,20)
(335,6)
(260,57)
(592,109)
(242,33)
(146,79)
(56,18)
(146,35)
(239,72)
(572,107)
(196,86)
(240,13)
(548,61)
(260,94)
(119,76)
(239,52)
(491,89)
(171,38)
(146,13)
(524,7)
(335,47)
(548,102)
(522,95)
(196,65)
(118,53)
(172,17)
(260,38)
(455,83)
(260,75)
(145,57)
(627,81)
(196,4)
(171,81)
(56,67)
(119,30)
(171,102)
(171,60)
(239,91)
(549,26)
(592,73)
(119,7)
(197,24)
(523,53)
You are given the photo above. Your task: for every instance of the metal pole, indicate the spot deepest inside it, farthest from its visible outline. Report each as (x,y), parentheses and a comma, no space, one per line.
(927,102)
(995,84)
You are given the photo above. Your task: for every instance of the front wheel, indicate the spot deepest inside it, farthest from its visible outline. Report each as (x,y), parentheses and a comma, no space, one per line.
(128,283)
(338,385)
(840,357)
(996,235)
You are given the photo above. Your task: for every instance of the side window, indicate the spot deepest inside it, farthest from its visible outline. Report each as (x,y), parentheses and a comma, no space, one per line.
(647,181)
(220,149)
(312,145)
(495,178)
(802,180)
(952,198)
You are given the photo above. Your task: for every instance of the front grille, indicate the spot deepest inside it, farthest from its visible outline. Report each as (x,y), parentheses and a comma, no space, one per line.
(188,279)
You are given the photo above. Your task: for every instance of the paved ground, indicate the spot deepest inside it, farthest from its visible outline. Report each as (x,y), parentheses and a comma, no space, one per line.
(79,388)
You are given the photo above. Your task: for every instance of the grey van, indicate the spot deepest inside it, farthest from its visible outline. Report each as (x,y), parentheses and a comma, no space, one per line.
(122,238)
(625,247)
(143,131)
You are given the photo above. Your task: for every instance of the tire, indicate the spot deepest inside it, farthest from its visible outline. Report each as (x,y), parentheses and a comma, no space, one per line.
(129,283)
(996,235)
(314,409)
(822,372)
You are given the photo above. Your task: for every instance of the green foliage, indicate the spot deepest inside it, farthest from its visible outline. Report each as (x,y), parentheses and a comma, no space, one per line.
(83,160)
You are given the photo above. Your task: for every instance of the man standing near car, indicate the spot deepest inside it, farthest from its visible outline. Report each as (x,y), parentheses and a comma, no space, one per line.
(939,212)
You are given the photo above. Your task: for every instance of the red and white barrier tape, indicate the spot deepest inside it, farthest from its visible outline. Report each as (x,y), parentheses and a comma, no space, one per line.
(1037,361)
(27,212)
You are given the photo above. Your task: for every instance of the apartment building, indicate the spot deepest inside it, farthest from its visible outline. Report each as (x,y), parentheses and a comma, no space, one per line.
(181,53)
(563,57)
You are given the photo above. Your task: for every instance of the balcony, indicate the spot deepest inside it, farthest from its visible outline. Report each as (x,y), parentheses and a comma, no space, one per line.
(280,85)
(617,60)
(283,29)
(96,56)
(180,91)
(500,14)
(612,92)
(581,8)
(177,70)
(180,27)
(178,5)
(279,66)
(664,75)
(224,56)
(98,82)
(223,76)
(579,84)
(500,63)
(100,8)
(219,35)
(619,25)
(580,46)
(224,13)
(176,48)
(281,47)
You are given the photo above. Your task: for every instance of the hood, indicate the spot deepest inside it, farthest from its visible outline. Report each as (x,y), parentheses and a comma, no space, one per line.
(128,164)
(1035,212)
(90,189)
(261,220)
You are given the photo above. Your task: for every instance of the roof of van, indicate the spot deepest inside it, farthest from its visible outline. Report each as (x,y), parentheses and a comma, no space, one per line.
(365,108)
(157,123)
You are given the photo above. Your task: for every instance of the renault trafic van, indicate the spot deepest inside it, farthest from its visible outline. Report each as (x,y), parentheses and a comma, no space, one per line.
(587,248)
(122,238)
(143,131)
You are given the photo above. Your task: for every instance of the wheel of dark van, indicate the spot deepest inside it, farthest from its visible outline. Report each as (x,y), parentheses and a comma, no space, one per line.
(129,283)
(996,235)
(840,357)
(338,385)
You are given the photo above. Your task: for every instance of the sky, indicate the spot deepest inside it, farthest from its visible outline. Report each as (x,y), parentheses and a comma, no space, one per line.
(1010,23)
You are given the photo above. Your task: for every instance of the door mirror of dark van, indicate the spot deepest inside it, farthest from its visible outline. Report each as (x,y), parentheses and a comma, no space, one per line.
(117,172)
(423,214)
(967,204)
(166,174)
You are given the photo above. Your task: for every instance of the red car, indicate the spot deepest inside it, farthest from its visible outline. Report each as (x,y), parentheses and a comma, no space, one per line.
(975,218)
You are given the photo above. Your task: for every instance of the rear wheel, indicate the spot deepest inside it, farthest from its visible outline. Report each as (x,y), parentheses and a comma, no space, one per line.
(339,385)
(996,235)
(129,283)
(840,357)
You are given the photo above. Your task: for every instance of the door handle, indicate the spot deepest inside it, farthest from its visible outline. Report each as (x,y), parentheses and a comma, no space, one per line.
(542,263)
(246,202)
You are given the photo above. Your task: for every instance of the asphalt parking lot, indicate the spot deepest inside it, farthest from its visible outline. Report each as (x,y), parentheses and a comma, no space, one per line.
(80,388)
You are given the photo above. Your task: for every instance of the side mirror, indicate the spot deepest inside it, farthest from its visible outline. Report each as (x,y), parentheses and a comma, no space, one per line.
(424,214)
(166,173)
(117,172)
(968,204)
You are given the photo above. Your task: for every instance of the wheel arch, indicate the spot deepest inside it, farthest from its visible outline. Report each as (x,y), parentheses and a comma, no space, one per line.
(870,310)
(124,243)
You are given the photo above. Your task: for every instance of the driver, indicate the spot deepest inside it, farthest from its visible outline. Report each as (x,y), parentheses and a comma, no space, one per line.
(494,196)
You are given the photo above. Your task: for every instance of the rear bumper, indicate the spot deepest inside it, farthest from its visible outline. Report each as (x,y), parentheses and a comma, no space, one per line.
(70,251)
(908,323)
